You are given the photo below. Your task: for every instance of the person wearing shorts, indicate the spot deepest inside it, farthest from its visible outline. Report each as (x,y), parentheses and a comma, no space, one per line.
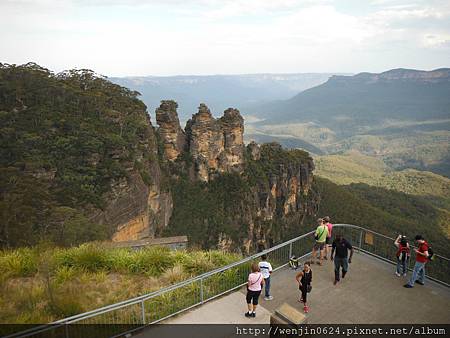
(254,287)
(320,236)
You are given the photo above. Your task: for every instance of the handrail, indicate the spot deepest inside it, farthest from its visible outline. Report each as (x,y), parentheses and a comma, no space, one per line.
(180,284)
(201,278)
(378,234)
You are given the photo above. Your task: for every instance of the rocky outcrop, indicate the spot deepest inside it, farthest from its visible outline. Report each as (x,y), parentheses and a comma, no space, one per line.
(171,134)
(215,145)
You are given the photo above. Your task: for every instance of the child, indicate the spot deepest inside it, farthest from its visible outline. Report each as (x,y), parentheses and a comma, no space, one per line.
(304,280)
(266,269)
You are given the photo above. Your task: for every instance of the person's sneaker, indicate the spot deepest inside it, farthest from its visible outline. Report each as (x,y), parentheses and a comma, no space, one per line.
(305,309)
(397,273)
(266,298)
(419,282)
(404,275)
(270,297)
(253,314)
(407,286)
(248,314)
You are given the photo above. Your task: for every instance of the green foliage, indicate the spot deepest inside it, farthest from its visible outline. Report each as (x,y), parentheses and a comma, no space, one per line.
(152,261)
(208,209)
(90,257)
(21,262)
(65,137)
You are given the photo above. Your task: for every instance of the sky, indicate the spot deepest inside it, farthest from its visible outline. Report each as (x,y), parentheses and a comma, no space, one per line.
(200,37)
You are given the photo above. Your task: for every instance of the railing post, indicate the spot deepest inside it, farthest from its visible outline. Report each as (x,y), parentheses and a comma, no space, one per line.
(143,312)
(66,328)
(201,290)
(360,240)
(290,250)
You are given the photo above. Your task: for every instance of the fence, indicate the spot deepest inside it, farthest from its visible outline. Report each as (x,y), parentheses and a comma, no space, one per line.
(167,302)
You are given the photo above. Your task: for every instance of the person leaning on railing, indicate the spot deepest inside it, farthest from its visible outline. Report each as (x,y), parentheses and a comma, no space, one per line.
(418,274)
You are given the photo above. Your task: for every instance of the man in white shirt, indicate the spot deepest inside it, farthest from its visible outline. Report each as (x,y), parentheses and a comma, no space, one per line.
(266,269)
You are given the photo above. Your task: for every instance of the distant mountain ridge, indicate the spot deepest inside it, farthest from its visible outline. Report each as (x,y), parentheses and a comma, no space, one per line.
(366,97)
(219,92)
(437,75)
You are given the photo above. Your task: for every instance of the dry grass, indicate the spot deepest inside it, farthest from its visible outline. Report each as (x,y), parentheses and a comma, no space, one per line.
(40,286)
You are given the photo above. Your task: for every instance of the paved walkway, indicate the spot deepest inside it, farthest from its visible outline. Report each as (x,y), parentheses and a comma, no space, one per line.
(370,293)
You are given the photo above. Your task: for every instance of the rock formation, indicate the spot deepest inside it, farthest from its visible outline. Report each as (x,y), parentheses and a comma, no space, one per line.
(216,145)
(169,129)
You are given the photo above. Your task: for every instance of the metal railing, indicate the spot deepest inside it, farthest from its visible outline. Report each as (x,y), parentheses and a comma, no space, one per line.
(172,300)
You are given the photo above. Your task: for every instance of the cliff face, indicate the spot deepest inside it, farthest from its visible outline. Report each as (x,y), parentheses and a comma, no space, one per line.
(137,208)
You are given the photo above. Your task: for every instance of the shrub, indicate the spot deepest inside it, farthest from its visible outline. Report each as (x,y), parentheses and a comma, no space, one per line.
(152,261)
(120,260)
(18,263)
(91,257)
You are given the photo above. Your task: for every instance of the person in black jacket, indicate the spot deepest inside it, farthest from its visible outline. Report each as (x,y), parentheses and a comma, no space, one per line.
(341,246)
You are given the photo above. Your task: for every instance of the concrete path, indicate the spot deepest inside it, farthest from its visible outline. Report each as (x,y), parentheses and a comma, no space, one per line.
(370,293)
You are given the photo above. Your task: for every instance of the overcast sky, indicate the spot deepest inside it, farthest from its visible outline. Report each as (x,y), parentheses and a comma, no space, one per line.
(170,37)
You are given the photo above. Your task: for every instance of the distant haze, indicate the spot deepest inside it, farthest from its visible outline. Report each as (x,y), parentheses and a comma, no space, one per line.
(220,92)
(174,37)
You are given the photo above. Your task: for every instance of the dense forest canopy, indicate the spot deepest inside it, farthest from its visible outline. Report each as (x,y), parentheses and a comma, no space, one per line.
(64,138)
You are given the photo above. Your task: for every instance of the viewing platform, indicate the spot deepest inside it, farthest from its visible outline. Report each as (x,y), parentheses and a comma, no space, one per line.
(370,293)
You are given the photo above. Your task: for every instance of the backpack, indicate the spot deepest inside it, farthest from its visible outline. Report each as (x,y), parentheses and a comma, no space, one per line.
(402,252)
(430,254)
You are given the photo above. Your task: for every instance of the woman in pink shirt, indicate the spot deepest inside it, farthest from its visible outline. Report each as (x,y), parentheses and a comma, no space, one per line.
(328,240)
(254,287)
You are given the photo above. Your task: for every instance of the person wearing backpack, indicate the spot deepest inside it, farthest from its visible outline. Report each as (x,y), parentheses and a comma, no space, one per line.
(320,236)
(254,287)
(403,254)
(418,274)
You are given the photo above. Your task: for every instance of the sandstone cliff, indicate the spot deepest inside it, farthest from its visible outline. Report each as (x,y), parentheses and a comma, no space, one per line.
(137,208)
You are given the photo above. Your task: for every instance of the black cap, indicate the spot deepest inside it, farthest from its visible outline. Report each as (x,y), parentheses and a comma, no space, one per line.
(418,237)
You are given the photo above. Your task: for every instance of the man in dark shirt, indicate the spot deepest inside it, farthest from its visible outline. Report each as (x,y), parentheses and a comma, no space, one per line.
(341,247)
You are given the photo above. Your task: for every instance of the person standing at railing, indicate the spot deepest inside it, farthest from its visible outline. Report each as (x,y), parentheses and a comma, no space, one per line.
(329,225)
(254,287)
(402,255)
(341,246)
(304,280)
(266,269)
(418,274)
(320,236)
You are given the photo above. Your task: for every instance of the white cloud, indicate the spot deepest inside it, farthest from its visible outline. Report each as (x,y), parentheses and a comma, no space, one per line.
(133,37)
